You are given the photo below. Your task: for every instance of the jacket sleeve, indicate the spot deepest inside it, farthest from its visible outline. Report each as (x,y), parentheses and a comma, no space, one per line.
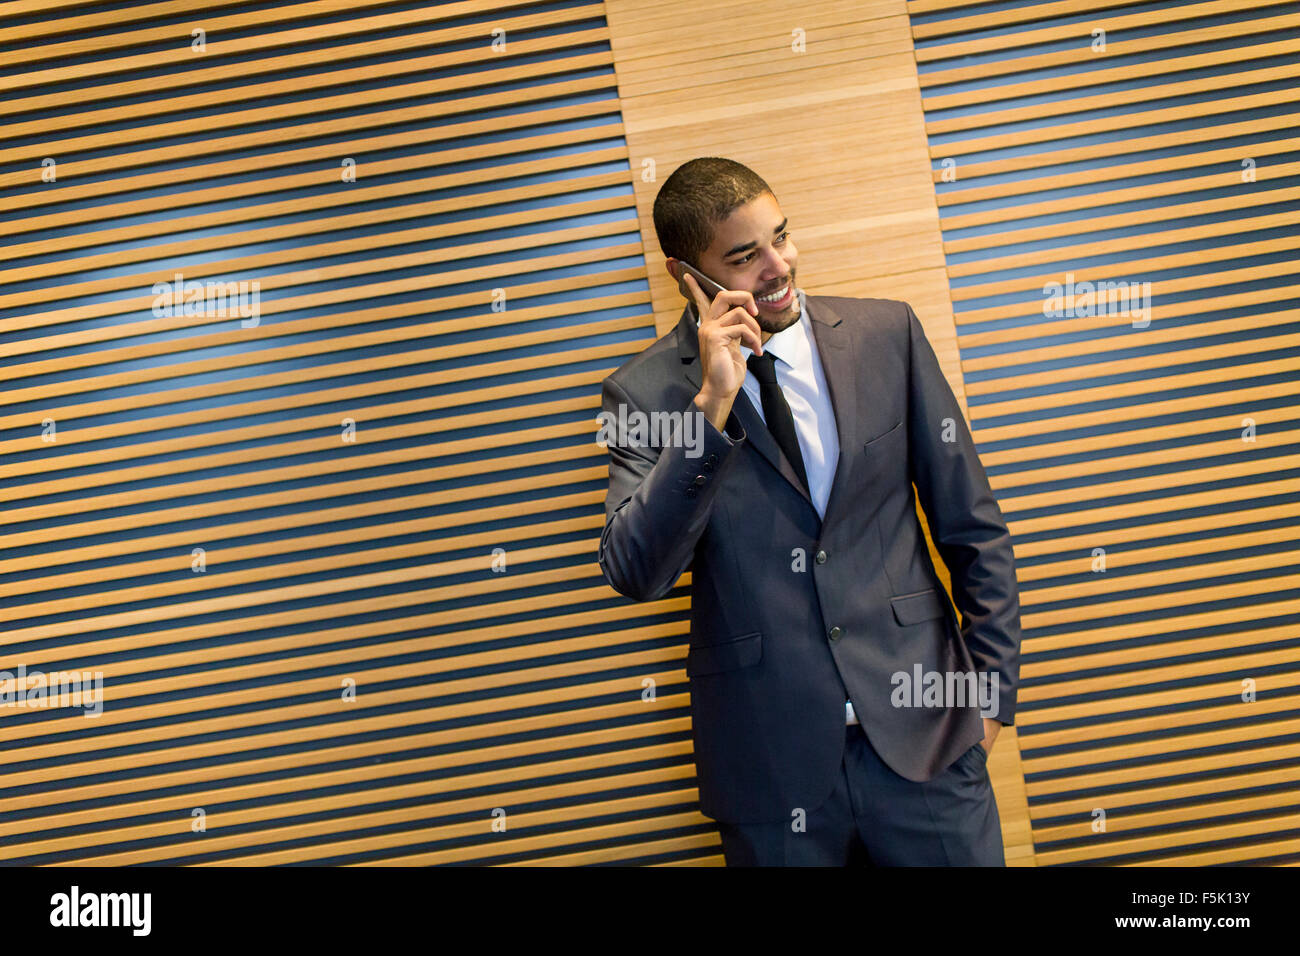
(659,498)
(965,521)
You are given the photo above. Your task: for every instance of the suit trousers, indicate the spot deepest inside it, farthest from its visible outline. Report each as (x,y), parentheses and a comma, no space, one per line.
(874,817)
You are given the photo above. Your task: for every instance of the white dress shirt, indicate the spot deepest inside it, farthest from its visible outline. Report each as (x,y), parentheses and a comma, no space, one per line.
(801,377)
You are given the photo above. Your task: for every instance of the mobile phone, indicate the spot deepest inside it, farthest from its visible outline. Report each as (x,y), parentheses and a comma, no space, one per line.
(707,285)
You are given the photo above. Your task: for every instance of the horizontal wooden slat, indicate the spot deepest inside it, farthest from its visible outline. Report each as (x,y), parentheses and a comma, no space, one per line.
(987,20)
(246,743)
(133,804)
(216,843)
(1015,161)
(1114,49)
(1163,16)
(269,40)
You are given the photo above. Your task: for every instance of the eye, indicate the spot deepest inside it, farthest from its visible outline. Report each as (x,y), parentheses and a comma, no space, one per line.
(779,239)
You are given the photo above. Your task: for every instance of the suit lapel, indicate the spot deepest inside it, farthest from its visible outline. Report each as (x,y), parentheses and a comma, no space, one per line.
(839,364)
(765,444)
(835,349)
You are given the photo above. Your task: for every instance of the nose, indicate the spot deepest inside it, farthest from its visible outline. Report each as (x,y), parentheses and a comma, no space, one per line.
(776,267)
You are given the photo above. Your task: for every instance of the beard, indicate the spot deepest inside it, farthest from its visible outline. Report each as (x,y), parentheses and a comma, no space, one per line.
(778,323)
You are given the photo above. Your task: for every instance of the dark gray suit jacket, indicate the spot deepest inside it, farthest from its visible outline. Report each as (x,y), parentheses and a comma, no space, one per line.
(776,644)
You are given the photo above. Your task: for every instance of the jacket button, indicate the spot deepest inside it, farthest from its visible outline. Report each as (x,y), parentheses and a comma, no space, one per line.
(706,467)
(711,460)
(690,491)
(821,557)
(700,479)
(837,633)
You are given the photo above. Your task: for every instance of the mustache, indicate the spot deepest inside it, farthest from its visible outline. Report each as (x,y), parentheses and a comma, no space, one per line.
(777,288)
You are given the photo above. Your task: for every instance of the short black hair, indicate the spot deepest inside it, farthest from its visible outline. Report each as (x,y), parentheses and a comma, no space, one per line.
(698,195)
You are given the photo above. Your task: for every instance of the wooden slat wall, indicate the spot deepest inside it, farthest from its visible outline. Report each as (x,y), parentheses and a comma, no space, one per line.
(824,102)
(459,303)
(1170,157)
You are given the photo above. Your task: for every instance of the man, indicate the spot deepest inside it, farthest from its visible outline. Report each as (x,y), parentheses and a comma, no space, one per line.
(839,717)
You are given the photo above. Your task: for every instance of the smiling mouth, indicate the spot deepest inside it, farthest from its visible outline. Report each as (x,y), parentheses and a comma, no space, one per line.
(779,297)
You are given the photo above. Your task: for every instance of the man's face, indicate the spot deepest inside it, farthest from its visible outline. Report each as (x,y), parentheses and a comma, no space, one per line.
(752,251)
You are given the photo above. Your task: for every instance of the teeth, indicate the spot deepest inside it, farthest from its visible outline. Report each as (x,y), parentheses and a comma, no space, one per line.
(776,296)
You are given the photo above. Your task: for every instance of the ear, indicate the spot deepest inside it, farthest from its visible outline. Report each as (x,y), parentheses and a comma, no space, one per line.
(670,264)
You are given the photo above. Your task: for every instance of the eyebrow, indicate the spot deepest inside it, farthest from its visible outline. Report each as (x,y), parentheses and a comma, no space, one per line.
(751,245)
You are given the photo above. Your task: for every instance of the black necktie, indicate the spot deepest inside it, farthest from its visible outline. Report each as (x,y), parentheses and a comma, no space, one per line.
(776,411)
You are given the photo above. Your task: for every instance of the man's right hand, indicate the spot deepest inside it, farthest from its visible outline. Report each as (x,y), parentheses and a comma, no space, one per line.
(726,324)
